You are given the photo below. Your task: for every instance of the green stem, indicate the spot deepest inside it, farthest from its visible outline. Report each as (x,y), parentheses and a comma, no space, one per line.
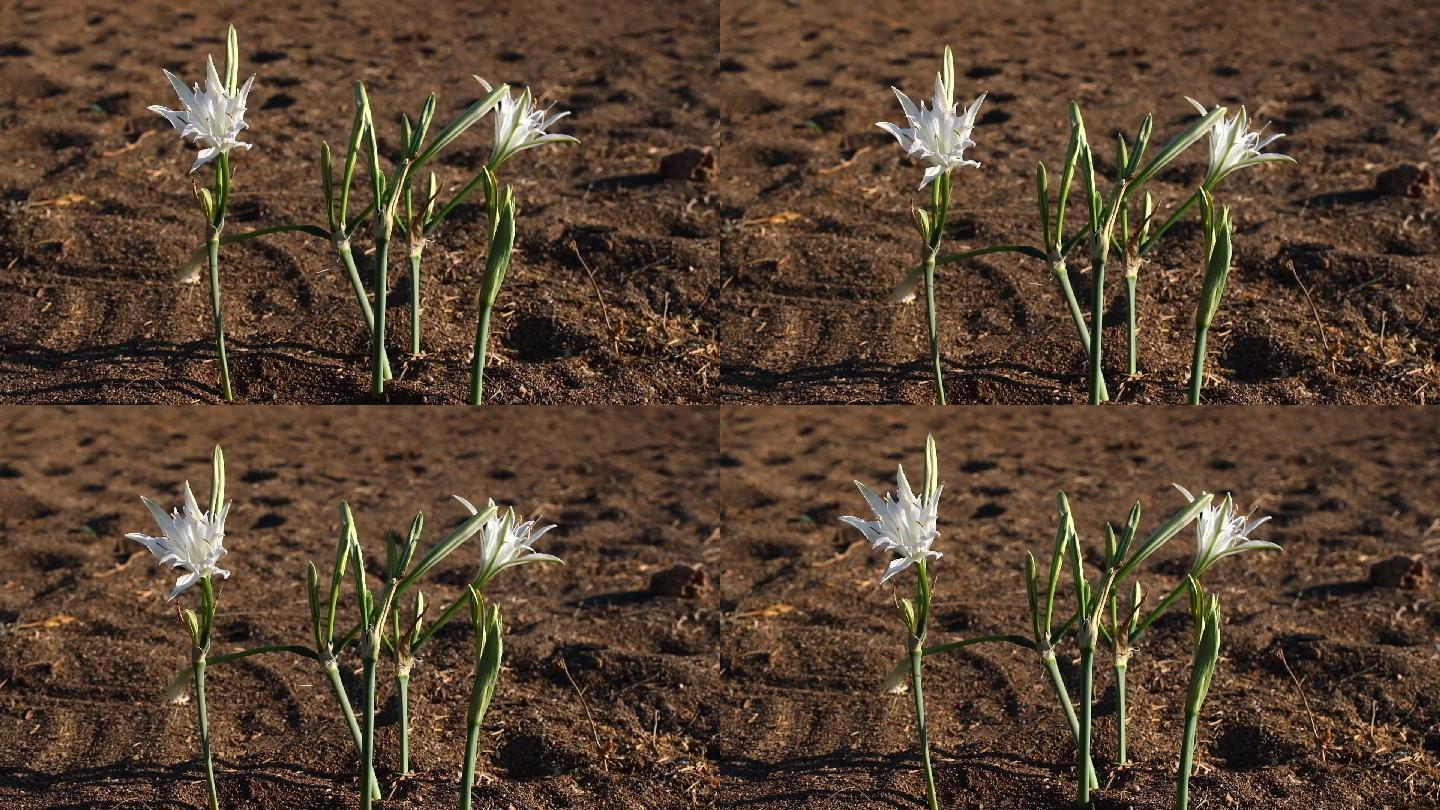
(477,368)
(1062,277)
(212,245)
(1187,762)
(414,302)
(353,273)
(1019,641)
(934,327)
(1097,328)
(467,777)
(402,684)
(1130,282)
(203,722)
(1053,670)
(1087,695)
(332,670)
(367,733)
(1122,752)
(382,283)
(917,654)
(1197,364)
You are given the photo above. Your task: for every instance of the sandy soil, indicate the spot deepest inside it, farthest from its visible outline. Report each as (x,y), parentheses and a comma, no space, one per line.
(1334,296)
(1327,693)
(610,298)
(88,644)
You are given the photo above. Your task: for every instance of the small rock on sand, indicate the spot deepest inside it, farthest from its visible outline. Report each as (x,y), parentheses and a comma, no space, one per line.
(683,581)
(1401,571)
(697,165)
(1406,180)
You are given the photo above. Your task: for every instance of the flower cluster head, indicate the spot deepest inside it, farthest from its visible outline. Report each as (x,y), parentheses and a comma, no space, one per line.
(1233,146)
(519,125)
(504,542)
(1222,531)
(211,118)
(937,136)
(189,539)
(904,524)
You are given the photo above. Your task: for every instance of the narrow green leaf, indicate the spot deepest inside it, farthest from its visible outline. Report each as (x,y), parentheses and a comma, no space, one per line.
(217,481)
(358,125)
(1177,145)
(232,62)
(1177,521)
(1042,201)
(442,549)
(327,185)
(464,121)
(427,116)
(932,467)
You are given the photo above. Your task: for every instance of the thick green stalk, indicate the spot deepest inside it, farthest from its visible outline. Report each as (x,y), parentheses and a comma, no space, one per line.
(402,684)
(1097,328)
(467,777)
(482,345)
(332,670)
(353,273)
(1062,277)
(1122,752)
(934,328)
(1187,762)
(212,244)
(1053,670)
(1197,365)
(1077,315)
(917,654)
(415,301)
(382,282)
(1130,281)
(367,733)
(1087,695)
(203,719)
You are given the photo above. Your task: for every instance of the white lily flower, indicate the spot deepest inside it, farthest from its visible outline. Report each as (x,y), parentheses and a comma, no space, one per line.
(1233,146)
(504,543)
(1221,531)
(937,136)
(211,118)
(905,524)
(520,126)
(190,539)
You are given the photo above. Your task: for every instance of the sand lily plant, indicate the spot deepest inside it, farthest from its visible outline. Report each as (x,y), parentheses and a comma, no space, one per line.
(905,526)
(194,540)
(504,541)
(213,119)
(519,125)
(1205,617)
(489,653)
(1218,250)
(937,136)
